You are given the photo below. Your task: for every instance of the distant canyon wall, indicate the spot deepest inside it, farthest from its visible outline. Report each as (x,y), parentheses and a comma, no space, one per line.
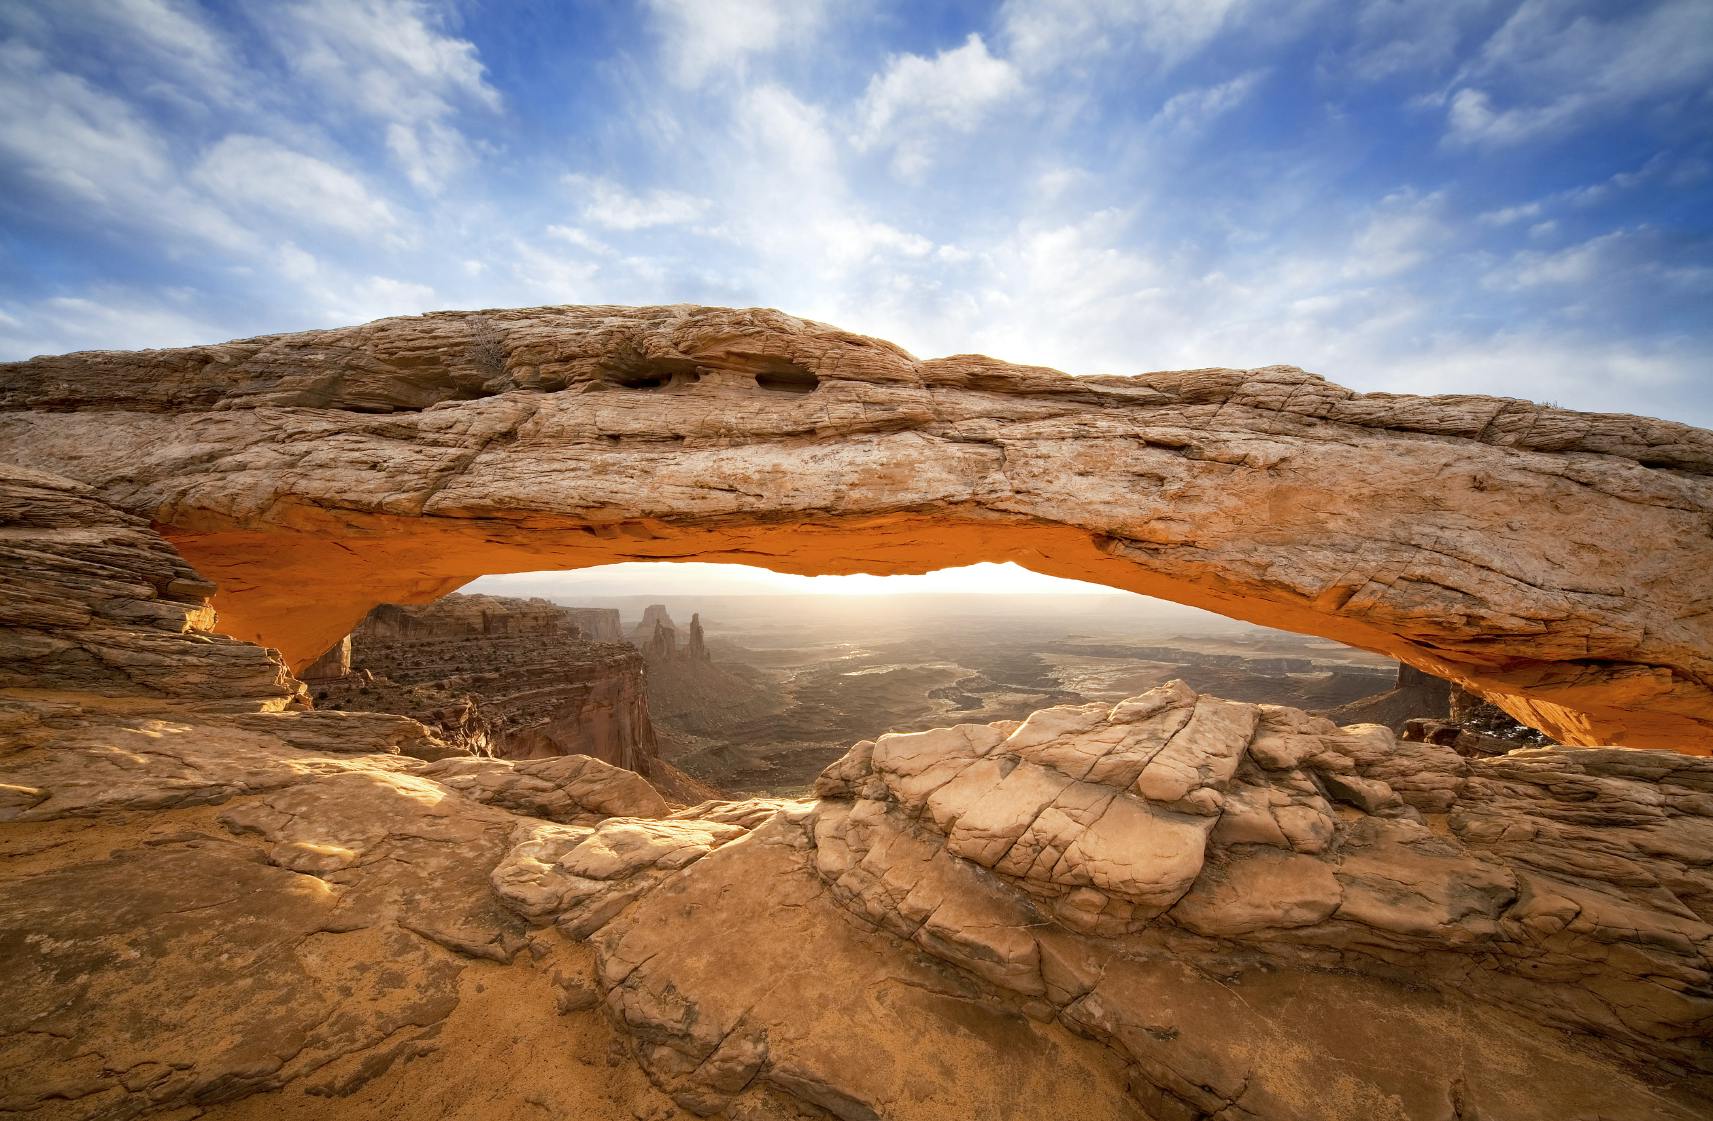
(513,678)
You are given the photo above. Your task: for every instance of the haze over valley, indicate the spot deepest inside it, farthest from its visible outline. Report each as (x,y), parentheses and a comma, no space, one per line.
(796,676)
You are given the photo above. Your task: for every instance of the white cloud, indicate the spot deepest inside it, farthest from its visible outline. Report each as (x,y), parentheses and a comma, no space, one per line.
(1393,37)
(1193,109)
(705,39)
(582,240)
(607,204)
(548,278)
(259,175)
(377,297)
(916,96)
(296,264)
(1575,370)
(1402,232)
(1576,264)
(777,217)
(1677,172)
(389,60)
(68,133)
(1044,33)
(1507,215)
(69,137)
(429,153)
(1472,118)
(155,46)
(1624,261)
(103,318)
(1556,63)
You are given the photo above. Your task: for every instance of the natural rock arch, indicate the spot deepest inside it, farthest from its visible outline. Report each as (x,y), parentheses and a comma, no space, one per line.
(1555,562)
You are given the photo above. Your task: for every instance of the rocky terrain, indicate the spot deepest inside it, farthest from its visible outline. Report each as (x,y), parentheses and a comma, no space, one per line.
(218,901)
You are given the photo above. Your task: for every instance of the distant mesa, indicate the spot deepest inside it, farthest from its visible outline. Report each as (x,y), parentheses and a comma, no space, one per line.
(657,636)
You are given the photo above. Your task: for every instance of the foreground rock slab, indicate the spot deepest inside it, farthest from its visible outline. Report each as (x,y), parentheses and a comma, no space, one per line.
(1552,561)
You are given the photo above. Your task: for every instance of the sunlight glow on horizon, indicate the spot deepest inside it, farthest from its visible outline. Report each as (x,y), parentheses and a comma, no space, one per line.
(702,578)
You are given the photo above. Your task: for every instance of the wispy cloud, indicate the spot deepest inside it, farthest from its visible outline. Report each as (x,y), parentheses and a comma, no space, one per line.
(1194,108)
(249,173)
(1556,63)
(393,62)
(704,40)
(915,98)
(1047,33)
(605,203)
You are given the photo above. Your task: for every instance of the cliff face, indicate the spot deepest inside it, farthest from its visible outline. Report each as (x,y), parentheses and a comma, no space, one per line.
(598,623)
(1553,562)
(1414,695)
(505,677)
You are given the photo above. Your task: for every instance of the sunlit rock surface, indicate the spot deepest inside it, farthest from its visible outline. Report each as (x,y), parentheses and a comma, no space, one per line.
(1553,561)
(215,904)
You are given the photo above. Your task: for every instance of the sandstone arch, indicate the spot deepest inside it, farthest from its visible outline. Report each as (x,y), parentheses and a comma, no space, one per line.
(1555,562)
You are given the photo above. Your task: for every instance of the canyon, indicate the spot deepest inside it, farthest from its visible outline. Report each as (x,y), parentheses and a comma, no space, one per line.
(491,676)
(792,681)
(526,662)
(224,898)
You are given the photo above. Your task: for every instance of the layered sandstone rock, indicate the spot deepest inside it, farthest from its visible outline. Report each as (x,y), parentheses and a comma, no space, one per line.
(496,676)
(93,603)
(1553,561)
(1265,915)
(215,905)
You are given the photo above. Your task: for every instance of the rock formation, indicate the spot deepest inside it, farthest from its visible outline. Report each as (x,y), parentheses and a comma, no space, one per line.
(601,624)
(696,647)
(1416,694)
(661,645)
(512,678)
(334,665)
(1553,562)
(655,618)
(657,636)
(216,902)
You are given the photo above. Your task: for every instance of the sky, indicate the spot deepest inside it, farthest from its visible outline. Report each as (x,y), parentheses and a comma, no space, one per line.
(1406,195)
(681,578)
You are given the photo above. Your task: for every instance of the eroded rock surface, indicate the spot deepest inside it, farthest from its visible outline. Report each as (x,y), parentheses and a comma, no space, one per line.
(1245,838)
(215,904)
(312,475)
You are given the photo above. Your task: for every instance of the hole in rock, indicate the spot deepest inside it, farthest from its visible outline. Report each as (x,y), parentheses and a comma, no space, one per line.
(787,379)
(633,371)
(725,680)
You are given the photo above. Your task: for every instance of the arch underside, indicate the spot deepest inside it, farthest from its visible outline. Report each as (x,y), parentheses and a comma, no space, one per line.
(1553,562)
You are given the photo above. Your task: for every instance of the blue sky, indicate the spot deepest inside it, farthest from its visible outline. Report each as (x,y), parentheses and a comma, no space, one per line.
(1411,195)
